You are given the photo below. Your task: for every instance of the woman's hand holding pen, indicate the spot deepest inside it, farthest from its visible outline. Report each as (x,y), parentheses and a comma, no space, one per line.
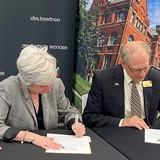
(79,129)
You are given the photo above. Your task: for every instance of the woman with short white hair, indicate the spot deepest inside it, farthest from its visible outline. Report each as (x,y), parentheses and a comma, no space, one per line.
(34,99)
(35,65)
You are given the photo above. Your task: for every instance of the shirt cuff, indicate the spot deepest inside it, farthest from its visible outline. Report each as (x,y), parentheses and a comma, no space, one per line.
(70,122)
(120,123)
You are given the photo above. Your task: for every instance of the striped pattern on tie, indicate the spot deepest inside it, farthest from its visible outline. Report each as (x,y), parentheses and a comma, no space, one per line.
(135,100)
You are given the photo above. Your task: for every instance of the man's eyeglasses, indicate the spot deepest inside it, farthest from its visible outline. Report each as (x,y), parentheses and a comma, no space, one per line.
(137,71)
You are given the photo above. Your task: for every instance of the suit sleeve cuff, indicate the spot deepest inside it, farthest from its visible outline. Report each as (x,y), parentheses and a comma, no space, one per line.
(10,134)
(70,122)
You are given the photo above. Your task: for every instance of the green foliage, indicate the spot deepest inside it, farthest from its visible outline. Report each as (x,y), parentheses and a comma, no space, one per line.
(80,85)
(77,102)
(87,36)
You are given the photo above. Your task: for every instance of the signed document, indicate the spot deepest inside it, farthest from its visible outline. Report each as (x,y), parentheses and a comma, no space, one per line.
(71,144)
(152,136)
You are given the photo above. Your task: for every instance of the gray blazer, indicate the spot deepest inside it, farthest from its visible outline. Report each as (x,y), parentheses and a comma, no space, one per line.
(16,108)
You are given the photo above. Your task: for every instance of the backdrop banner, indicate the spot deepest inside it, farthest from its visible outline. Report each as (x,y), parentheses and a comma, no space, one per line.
(104,26)
(47,23)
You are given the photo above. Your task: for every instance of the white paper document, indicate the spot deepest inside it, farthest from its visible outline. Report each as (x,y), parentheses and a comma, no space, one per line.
(71,144)
(152,136)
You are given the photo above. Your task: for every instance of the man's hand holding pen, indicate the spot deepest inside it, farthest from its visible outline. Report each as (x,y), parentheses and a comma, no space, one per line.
(78,128)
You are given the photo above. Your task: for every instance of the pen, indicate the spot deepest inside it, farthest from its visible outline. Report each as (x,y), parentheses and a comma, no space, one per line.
(68,148)
(76,120)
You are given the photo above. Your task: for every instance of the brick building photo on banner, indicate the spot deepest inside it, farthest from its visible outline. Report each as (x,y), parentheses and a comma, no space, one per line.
(104,26)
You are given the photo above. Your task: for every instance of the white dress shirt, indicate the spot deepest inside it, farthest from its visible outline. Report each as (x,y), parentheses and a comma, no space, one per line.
(127,96)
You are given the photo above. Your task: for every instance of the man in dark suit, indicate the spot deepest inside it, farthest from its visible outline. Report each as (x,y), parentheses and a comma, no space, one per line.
(109,100)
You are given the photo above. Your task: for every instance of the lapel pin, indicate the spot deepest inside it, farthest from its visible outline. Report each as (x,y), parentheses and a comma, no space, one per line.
(116,84)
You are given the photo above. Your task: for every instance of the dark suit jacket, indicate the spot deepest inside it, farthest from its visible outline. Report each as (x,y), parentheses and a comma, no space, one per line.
(105,104)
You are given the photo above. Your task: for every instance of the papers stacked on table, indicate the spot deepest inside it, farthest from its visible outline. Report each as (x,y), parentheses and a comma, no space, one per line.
(71,144)
(152,136)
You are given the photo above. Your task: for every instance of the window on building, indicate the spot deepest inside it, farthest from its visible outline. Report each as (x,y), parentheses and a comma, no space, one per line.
(138,1)
(120,16)
(112,39)
(100,39)
(107,18)
(108,59)
(139,25)
(130,38)
(144,30)
(135,22)
(133,18)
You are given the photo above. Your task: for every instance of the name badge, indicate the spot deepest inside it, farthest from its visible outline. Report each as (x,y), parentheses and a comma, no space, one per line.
(147,83)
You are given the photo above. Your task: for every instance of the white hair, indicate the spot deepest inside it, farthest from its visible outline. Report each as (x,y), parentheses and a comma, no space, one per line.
(131,48)
(36,65)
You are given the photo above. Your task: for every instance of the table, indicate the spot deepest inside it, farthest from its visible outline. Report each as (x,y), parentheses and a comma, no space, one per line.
(130,142)
(101,150)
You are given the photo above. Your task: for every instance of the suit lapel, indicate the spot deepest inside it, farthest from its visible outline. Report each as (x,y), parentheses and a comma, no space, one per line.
(118,86)
(45,106)
(28,101)
(147,92)
(31,109)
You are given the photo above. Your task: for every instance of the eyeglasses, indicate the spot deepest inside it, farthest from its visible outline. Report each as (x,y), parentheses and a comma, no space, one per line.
(137,71)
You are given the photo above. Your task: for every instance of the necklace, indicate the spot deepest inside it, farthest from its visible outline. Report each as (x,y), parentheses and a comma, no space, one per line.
(35,101)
